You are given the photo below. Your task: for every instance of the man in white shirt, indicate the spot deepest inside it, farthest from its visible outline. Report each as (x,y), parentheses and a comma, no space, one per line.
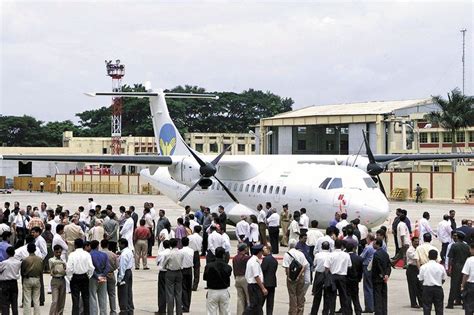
(313,235)
(262,225)
(424,226)
(444,235)
(242,229)
(195,243)
(468,283)
(254,277)
(294,228)
(90,206)
(414,285)
(319,278)
(304,221)
(433,276)
(403,237)
(337,264)
(187,271)
(422,251)
(273,222)
(329,237)
(214,240)
(124,278)
(341,224)
(160,259)
(295,287)
(43,248)
(127,230)
(79,270)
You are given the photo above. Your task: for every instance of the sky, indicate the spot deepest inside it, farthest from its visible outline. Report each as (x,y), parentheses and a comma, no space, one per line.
(325,52)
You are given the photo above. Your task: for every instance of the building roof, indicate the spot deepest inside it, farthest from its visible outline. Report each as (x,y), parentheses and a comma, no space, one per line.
(367,108)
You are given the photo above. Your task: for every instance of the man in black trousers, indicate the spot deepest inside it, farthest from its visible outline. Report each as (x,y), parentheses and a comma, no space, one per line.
(414,285)
(381,269)
(269,269)
(354,276)
(433,276)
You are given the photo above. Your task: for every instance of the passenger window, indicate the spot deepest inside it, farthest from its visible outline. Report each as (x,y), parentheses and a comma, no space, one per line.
(253,188)
(247,188)
(336,183)
(258,188)
(218,187)
(325,183)
(241,187)
(283,190)
(277,190)
(235,186)
(265,189)
(270,190)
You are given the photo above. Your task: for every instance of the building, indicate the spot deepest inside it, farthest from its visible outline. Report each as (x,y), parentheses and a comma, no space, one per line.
(391,127)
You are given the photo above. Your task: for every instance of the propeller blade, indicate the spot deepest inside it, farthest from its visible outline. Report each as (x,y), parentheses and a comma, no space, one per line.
(385,164)
(381,186)
(218,158)
(227,189)
(198,159)
(370,155)
(190,190)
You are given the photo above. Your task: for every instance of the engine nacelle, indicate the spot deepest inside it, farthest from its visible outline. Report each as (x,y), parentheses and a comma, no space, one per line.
(186,171)
(357,161)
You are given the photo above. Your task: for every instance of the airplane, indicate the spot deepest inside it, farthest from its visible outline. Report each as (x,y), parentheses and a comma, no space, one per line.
(323,184)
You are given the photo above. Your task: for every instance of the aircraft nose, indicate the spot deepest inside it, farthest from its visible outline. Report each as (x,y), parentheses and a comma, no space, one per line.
(375,209)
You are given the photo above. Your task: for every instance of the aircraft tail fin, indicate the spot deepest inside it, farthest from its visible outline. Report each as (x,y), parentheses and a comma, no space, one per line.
(167,137)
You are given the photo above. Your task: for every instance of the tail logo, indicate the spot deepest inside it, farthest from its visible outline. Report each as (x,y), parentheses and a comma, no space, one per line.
(167,139)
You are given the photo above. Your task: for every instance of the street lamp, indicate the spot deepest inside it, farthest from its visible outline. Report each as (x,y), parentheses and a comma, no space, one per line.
(269,133)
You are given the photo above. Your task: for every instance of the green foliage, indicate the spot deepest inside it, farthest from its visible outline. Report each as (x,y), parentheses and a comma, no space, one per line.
(232,112)
(457,112)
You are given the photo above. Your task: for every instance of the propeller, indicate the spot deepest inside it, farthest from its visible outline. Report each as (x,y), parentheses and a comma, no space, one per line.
(208,170)
(374,169)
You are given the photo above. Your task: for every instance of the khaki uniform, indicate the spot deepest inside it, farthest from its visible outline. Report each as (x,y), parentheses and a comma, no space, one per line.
(285,219)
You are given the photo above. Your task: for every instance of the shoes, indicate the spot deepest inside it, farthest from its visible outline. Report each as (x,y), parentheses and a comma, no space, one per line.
(449,307)
(146,268)
(136,268)
(367,311)
(415,306)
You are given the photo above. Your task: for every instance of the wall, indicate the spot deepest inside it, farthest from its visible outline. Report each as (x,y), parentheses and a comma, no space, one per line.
(285,142)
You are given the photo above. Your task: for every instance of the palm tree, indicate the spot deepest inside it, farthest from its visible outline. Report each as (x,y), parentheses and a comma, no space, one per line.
(455,113)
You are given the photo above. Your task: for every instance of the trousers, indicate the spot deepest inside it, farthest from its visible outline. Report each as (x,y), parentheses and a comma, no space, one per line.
(296,296)
(242,293)
(162,292)
(196,270)
(186,288)
(58,293)
(80,289)
(353,294)
(255,306)
(112,292)
(469,299)
(368,290)
(380,298)
(456,279)
(174,291)
(318,289)
(262,233)
(274,234)
(141,252)
(97,295)
(269,300)
(9,296)
(433,295)
(414,285)
(341,286)
(125,294)
(31,292)
(218,302)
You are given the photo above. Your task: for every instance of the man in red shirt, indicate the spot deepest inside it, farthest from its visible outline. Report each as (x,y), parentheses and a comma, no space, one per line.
(140,238)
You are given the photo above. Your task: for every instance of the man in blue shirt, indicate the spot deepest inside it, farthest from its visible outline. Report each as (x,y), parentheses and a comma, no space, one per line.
(367,256)
(4,244)
(98,281)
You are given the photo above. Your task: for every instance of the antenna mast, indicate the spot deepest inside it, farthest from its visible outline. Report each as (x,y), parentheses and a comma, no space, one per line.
(116,72)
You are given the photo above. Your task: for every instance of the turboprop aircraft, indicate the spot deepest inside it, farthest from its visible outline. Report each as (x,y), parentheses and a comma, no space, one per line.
(323,184)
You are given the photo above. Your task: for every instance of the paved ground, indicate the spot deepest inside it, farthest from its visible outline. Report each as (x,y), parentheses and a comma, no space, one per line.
(145,282)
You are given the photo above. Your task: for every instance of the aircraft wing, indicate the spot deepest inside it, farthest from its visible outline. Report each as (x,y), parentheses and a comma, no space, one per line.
(422,157)
(103,159)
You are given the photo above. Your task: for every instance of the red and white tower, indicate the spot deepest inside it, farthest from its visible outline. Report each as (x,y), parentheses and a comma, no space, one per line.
(116,71)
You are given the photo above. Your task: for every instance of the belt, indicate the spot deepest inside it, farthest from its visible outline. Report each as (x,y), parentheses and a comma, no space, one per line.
(61,277)
(177,270)
(27,277)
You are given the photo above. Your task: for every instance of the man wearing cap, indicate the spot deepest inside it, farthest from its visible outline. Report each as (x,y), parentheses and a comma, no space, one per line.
(285,219)
(254,277)
(239,264)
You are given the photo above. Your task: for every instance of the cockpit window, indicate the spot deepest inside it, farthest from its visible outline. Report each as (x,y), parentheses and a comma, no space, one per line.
(336,183)
(325,183)
(370,182)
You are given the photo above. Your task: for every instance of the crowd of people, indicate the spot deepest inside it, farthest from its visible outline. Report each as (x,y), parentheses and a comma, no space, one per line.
(91,253)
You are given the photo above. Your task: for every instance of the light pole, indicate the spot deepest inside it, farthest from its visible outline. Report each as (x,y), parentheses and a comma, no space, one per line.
(260,146)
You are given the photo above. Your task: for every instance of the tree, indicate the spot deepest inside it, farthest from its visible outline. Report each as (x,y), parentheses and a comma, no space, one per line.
(53,132)
(456,113)
(23,131)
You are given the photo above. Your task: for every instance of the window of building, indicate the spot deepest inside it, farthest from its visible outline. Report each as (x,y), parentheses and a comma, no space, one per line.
(213,147)
(447,137)
(344,130)
(199,147)
(325,183)
(301,130)
(241,147)
(212,138)
(104,150)
(434,137)
(329,145)
(258,188)
(270,190)
(423,137)
(253,147)
(471,136)
(301,144)
(277,190)
(460,137)
(265,189)
(253,188)
(330,130)
(226,138)
(283,191)
(336,183)
(240,138)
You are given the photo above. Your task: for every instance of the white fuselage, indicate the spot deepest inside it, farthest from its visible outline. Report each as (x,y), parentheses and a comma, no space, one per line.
(295,180)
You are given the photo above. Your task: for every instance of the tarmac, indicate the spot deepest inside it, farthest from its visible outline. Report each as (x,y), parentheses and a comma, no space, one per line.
(145,281)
